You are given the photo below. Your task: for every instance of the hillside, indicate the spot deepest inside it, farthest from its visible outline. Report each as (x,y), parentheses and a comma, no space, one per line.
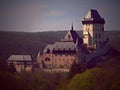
(33,42)
(26,42)
(105,76)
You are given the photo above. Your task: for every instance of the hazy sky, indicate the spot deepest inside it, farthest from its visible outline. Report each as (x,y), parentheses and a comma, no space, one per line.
(51,15)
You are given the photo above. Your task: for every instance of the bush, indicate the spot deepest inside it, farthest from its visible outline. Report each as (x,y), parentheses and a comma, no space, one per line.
(9,82)
(76,68)
(84,81)
(96,79)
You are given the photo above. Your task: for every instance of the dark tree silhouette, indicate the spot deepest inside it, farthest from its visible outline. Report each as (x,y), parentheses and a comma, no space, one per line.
(3,65)
(12,68)
(76,68)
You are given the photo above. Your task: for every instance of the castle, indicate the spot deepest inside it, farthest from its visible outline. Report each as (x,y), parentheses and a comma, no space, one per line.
(72,47)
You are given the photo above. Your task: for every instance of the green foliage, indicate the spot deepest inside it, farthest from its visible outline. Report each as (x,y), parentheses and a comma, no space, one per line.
(9,82)
(97,79)
(76,68)
(3,65)
(11,68)
(62,85)
(84,81)
(41,81)
(105,77)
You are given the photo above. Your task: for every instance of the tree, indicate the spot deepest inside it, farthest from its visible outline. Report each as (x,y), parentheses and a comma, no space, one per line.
(12,68)
(76,68)
(83,81)
(3,65)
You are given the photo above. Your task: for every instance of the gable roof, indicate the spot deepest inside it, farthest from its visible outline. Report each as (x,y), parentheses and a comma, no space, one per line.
(73,37)
(20,58)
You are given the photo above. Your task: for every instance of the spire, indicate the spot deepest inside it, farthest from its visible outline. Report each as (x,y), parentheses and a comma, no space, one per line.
(72,26)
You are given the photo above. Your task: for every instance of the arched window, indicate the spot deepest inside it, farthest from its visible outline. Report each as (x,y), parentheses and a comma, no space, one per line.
(47,59)
(69,36)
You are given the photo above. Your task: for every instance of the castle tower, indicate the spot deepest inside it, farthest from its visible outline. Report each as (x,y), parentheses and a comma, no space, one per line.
(93,29)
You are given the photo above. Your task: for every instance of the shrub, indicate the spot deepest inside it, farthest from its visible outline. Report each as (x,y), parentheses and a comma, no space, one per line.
(83,81)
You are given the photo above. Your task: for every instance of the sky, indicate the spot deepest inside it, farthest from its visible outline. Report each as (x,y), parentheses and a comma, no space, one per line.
(55,15)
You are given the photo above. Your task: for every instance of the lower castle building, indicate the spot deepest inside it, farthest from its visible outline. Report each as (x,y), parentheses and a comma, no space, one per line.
(20,62)
(61,54)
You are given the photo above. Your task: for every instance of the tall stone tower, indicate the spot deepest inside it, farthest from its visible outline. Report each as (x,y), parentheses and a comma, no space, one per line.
(93,29)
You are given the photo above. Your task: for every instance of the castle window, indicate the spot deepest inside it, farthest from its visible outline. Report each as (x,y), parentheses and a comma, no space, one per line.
(69,36)
(48,50)
(99,35)
(18,65)
(96,42)
(102,28)
(66,55)
(99,42)
(95,35)
(28,65)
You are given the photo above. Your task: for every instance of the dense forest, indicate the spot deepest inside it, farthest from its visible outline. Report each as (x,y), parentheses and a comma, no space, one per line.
(33,42)
(26,42)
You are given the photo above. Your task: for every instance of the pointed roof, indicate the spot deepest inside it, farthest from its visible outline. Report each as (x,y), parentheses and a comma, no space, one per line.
(75,36)
(72,36)
(93,14)
(72,26)
(93,17)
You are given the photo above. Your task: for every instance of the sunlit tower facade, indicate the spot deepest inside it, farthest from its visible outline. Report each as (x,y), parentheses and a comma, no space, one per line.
(93,29)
